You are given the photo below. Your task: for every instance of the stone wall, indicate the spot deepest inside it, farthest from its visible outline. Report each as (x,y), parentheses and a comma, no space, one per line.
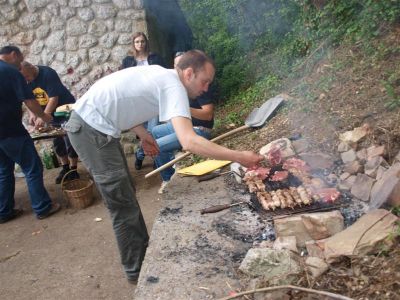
(82,40)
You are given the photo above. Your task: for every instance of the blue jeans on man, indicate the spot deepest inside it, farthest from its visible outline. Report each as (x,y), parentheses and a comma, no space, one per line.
(22,151)
(168,143)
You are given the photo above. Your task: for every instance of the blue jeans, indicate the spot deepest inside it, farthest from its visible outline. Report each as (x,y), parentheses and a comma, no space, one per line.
(168,143)
(149,125)
(22,151)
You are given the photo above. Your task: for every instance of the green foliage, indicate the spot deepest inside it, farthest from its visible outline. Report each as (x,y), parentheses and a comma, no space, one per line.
(392,87)
(256,43)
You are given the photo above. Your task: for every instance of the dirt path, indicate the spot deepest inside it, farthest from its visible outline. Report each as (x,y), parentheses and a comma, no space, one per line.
(69,255)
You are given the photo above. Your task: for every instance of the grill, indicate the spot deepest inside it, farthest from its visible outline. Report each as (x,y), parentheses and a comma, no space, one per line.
(285,212)
(292,182)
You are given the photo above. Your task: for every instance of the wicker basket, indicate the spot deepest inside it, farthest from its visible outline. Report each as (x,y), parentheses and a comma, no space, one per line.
(79,192)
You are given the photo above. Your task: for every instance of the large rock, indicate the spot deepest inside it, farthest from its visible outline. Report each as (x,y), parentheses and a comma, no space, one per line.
(286,242)
(375,151)
(372,165)
(305,226)
(269,263)
(343,147)
(385,187)
(347,184)
(363,237)
(316,266)
(316,248)
(353,167)
(362,186)
(354,135)
(348,156)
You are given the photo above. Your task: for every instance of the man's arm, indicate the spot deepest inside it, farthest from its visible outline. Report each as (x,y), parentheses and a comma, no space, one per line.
(149,144)
(206,112)
(35,108)
(50,108)
(194,143)
(51,105)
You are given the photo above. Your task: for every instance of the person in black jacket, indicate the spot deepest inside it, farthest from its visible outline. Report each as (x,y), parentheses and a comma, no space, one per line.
(142,57)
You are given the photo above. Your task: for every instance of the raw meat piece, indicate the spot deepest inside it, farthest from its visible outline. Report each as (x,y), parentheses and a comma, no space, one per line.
(280,176)
(260,172)
(274,155)
(328,194)
(295,163)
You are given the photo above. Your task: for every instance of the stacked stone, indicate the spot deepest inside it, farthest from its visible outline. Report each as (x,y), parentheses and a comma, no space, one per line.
(366,173)
(82,40)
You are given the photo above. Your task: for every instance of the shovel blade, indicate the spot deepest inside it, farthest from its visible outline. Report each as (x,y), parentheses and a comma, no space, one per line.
(260,115)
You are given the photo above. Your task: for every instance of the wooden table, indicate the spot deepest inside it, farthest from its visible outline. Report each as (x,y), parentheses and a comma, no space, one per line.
(59,132)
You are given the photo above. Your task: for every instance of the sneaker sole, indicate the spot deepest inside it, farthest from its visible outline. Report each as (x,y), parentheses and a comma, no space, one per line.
(55,208)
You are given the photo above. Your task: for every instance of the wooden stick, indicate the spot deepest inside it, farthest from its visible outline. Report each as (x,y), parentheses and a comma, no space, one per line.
(292,287)
(186,154)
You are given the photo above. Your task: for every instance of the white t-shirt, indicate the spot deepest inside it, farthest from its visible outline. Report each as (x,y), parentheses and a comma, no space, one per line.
(132,96)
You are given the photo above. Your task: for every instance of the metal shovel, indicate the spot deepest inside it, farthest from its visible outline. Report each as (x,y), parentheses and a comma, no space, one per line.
(257,118)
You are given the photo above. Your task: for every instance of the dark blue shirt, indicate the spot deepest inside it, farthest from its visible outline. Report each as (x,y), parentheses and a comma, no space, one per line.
(13,91)
(47,85)
(198,103)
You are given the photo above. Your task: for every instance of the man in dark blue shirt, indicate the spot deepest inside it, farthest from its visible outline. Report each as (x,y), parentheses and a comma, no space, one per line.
(16,146)
(51,93)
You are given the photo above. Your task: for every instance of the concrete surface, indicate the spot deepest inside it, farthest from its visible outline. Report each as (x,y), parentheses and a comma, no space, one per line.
(194,256)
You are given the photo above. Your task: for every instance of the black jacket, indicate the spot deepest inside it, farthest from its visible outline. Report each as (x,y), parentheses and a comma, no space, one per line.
(152,59)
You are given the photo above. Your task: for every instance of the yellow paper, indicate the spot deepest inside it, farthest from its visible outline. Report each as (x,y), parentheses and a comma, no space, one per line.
(204,167)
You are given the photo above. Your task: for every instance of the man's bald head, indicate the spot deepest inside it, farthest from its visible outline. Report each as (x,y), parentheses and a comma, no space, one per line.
(29,71)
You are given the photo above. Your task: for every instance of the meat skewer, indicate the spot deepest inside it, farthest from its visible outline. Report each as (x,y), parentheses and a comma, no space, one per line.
(305,198)
(289,199)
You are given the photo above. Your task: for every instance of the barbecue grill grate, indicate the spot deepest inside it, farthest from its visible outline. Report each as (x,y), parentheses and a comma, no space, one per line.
(313,207)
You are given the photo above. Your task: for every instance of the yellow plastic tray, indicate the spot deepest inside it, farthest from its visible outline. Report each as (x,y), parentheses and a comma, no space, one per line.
(204,167)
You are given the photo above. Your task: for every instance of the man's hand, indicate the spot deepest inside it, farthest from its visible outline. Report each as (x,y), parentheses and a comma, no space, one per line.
(250,159)
(32,119)
(150,146)
(45,118)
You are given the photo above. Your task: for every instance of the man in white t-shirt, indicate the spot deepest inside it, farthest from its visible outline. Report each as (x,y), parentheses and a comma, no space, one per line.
(125,100)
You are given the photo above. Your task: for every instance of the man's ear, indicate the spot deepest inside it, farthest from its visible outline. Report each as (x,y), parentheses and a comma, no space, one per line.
(188,73)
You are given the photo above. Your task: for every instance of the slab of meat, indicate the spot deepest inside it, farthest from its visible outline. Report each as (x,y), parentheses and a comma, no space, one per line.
(280,176)
(295,163)
(328,194)
(259,172)
(274,155)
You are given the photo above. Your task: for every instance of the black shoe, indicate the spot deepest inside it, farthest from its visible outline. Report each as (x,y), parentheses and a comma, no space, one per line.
(133,280)
(138,163)
(73,175)
(55,207)
(61,175)
(15,214)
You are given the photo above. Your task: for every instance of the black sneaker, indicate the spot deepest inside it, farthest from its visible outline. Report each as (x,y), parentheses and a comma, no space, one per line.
(73,175)
(138,163)
(15,214)
(55,207)
(61,175)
